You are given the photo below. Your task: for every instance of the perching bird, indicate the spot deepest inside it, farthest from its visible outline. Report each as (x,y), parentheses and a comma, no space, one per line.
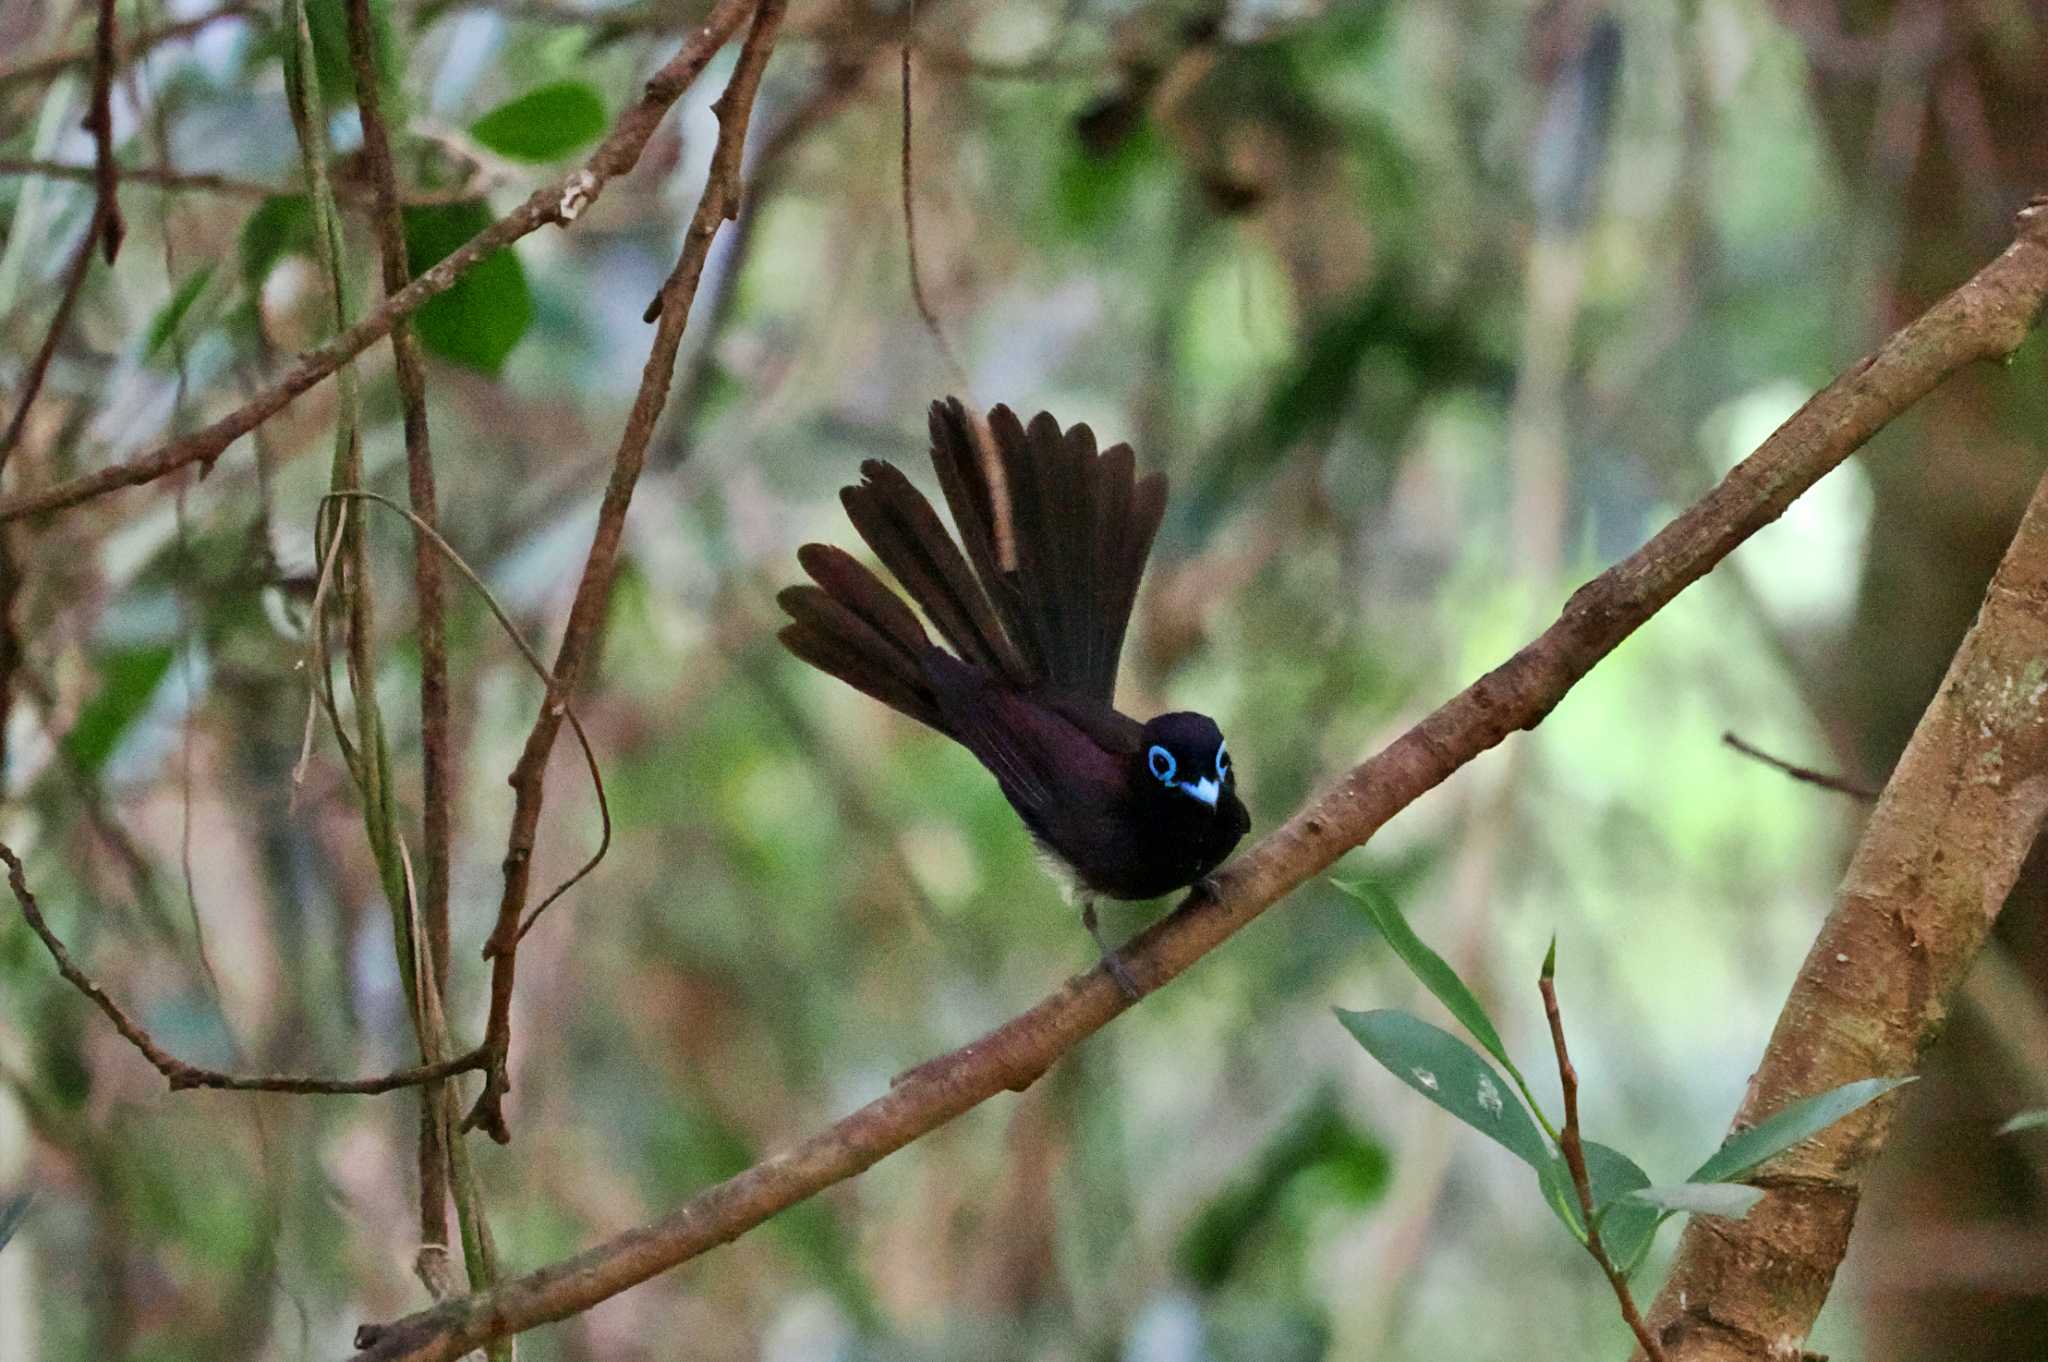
(1034,611)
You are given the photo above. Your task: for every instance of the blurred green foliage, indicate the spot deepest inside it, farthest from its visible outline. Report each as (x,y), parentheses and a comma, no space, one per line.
(1292,259)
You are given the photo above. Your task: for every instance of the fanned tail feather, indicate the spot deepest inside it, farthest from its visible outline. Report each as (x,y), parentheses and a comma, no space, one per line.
(1065,576)
(1037,592)
(905,533)
(853,627)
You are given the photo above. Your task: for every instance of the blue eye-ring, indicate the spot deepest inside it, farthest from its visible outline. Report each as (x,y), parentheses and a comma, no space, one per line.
(1222,761)
(1162,763)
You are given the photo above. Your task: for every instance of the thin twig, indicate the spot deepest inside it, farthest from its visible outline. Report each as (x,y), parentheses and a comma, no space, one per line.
(558,203)
(469,574)
(1574,1151)
(183,1075)
(431,910)
(1986,319)
(671,310)
(12,650)
(41,68)
(924,307)
(74,284)
(160,176)
(1839,784)
(100,122)
(164,177)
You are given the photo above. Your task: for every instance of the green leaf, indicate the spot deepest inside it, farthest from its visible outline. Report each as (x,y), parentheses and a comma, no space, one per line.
(1626,1227)
(128,681)
(1810,1116)
(1451,1074)
(480,319)
(11,1212)
(544,124)
(2026,1120)
(279,227)
(165,324)
(1730,1200)
(1432,969)
(327,21)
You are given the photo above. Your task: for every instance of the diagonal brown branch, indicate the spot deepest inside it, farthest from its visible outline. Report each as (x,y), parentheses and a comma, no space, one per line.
(183,1075)
(1942,849)
(1805,774)
(1986,319)
(558,203)
(671,309)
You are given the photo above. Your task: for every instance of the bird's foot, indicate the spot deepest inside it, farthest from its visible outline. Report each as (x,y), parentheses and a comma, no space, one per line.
(1126,985)
(1110,961)
(1208,887)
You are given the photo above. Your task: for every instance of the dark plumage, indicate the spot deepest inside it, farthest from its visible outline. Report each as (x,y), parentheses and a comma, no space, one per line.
(1034,609)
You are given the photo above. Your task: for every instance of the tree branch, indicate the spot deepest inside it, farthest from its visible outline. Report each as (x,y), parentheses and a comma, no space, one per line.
(1805,774)
(558,203)
(1986,319)
(183,1075)
(436,1133)
(206,182)
(1938,857)
(100,122)
(41,68)
(671,308)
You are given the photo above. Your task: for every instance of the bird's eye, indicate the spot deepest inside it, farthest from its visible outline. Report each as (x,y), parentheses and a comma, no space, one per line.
(1162,763)
(1222,762)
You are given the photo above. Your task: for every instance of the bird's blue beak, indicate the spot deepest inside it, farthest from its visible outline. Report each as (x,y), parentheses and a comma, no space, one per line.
(1204,789)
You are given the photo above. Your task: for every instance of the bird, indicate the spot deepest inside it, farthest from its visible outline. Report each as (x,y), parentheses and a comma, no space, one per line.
(1032,604)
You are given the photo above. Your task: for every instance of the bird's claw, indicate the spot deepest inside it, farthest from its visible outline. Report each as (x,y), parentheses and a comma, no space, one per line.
(1127,985)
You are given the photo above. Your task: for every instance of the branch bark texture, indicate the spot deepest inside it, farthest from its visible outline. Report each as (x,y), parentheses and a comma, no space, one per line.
(1937,859)
(1987,318)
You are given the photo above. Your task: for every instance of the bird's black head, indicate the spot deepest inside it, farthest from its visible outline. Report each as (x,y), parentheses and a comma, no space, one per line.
(1184,756)
(1189,787)
(1187,799)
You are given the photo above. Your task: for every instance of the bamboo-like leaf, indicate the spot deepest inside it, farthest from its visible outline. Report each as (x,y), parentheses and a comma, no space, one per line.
(1803,1119)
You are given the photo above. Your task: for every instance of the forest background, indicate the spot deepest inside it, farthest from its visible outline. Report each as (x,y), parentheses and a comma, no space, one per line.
(1430,312)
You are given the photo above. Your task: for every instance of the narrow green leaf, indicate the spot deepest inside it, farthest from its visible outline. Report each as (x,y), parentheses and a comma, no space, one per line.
(1730,1200)
(327,23)
(1432,969)
(1451,1074)
(544,124)
(165,324)
(128,681)
(2026,1120)
(480,319)
(1797,1122)
(280,226)
(11,1213)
